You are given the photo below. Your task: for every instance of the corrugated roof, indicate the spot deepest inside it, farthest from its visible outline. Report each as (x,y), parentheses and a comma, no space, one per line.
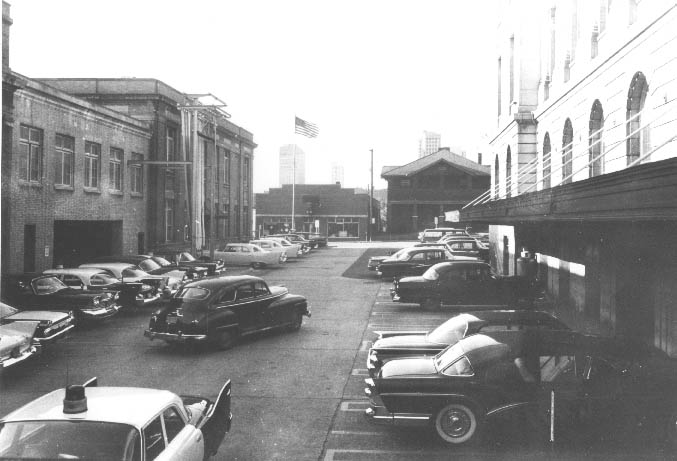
(442,155)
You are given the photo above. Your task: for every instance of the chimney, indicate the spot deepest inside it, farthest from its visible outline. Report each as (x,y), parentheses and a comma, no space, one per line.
(479,158)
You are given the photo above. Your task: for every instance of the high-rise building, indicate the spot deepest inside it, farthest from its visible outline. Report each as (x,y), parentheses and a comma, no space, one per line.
(336,173)
(292,158)
(429,143)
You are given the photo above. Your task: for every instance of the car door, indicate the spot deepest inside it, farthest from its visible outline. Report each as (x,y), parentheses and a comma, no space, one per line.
(216,420)
(451,286)
(247,307)
(182,440)
(414,266)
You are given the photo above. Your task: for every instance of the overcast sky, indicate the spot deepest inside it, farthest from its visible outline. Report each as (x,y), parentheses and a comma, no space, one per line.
(371,74)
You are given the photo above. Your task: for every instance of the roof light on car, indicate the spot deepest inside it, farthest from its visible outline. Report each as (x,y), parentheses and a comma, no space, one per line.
(75,400)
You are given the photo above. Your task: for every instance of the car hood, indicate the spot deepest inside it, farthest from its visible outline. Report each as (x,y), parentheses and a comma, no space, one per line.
(17,333)
(404,368)
(39,316)
(413,280)
(405,341)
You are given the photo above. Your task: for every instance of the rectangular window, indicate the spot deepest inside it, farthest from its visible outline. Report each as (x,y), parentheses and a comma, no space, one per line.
(64,160)
(226,167)
(136,174)
(343,227)
(171,144)
(115,169)
(405,183)
(92,164)
(169,220)
(499,86)
(245,176)
(30,148)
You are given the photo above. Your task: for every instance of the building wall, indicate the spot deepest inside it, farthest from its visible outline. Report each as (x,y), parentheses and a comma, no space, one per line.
(42,202)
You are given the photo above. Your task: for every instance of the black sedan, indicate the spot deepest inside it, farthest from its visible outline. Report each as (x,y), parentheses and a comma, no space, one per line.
(185,259)
(414,261)
(52,325)
(47,292)
(392,344)
(219,310)
(470,282)
(600,388)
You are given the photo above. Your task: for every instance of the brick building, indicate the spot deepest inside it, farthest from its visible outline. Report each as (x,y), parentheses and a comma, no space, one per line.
(325,208)
(227,160)
(426,188)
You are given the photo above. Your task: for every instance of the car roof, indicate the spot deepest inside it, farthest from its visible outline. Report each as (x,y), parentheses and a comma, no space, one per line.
(133,259)
(460,262)
(109,265)
(216,282)
(78,271)
(125,405)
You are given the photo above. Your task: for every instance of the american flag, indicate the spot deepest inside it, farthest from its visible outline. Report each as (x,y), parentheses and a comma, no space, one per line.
(305,128)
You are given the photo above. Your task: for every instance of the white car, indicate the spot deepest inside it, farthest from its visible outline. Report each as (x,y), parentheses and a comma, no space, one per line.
(16,343)
(275,246)
(121,423)
(294,250)
(247,254)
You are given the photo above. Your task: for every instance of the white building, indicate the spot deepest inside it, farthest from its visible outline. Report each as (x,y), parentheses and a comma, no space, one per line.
(429,143)
(292,158)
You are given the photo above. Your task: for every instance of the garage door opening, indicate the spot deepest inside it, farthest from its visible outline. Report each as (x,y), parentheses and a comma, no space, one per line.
(75,242)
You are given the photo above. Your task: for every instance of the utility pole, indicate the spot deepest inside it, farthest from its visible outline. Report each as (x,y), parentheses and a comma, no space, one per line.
(371,193)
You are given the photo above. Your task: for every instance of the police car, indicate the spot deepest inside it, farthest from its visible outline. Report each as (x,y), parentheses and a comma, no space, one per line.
(121,423)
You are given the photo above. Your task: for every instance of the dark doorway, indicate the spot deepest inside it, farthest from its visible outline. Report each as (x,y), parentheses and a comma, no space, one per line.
(141,243)
(506,255)
(29,248)
(75,242)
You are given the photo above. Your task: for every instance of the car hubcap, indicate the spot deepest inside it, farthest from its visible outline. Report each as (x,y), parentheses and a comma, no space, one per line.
(456,423)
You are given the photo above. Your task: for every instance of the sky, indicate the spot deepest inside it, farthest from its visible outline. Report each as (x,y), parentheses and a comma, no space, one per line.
(371,74)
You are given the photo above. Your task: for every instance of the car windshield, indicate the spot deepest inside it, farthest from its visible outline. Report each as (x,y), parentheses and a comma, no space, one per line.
(401,256)
(149,265)
(193,293)
(6,310)
(131,272)
(450,332)
(72,439)
(431,274)
(48,285)
(102,278)
(161,261)
(433,234)
(448,356)
(185,256)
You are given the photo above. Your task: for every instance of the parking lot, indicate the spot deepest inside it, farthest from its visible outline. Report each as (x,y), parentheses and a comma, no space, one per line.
(296,396)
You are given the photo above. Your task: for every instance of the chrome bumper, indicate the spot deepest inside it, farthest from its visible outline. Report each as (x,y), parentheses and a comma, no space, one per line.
(379,415)
(24,355)
(173,337)
(55,336)
(100,314)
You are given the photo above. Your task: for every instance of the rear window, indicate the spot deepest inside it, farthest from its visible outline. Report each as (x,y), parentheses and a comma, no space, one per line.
(433,234)
(193,293)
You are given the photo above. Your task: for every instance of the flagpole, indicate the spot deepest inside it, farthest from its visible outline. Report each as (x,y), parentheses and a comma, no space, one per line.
(293,187)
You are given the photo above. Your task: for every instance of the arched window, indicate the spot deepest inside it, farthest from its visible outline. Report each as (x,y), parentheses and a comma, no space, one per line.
(508,172)
(595,159)
(546,161)
(567,157)
(637,137)
(496,178)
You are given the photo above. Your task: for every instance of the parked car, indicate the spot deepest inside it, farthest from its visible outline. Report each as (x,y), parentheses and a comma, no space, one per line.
(294,238)
(604,388)
(219,310)
(51,325)
(392,344)
(185,258)
(468,247)
(320,240)
(162,285)
(413,261)
(246,254)
(156,265)
(469,282)
(47,292)
(16,343)
(116,423)
(97,280)
(293,249)
(273,246)
(433,235)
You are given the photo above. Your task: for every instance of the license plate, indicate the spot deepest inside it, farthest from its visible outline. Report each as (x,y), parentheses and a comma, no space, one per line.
(172,320)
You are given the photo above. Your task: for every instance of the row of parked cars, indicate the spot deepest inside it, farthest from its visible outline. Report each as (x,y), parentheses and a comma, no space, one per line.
(500,363)
(43,307)
(126,423)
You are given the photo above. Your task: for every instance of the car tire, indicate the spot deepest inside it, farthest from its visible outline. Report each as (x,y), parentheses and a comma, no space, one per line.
(295,321)
(457,424)
(431,304)
(225,339)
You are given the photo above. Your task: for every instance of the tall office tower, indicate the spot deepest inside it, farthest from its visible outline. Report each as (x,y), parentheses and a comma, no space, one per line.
(290,154)
(336,173)
(429,143)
